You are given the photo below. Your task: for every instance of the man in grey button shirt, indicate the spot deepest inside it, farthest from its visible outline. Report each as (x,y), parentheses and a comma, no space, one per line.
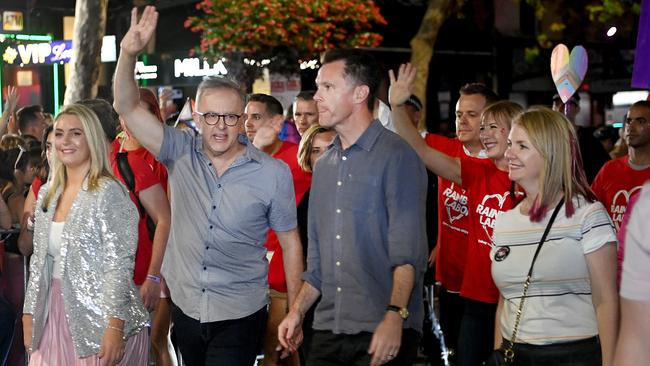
(226,195)
(367,239)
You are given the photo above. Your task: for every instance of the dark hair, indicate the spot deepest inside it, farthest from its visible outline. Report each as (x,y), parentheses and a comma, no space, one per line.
(28,157)
(480,89)
(28,115)
(306,95)
(7,161)
(360,66)
(108,118)
(273,106)
(641,103)
(46,132)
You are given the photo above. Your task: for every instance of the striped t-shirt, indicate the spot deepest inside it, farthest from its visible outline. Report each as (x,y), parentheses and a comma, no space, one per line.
(558,306)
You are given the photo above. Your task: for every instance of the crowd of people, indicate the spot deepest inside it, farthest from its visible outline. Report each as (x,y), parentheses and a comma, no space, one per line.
(315,251)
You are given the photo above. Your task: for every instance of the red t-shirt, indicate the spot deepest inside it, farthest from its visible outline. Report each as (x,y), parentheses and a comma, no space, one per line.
(615,183)
(301,182)
(144,178)
(158,169)
(453,223)
(36,186)
(488,189)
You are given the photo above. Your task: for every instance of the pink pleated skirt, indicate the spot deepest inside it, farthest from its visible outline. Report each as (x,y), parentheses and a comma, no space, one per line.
(56,347)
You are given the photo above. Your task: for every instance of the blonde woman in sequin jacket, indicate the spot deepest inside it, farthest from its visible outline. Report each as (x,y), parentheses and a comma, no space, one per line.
(81,305)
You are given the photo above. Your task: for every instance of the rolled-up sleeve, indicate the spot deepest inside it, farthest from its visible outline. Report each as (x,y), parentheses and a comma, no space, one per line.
(119,234)
(405,195)
(176,143)
(282,213)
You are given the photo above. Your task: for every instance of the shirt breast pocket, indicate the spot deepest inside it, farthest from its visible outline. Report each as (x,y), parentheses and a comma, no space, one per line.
(361,193)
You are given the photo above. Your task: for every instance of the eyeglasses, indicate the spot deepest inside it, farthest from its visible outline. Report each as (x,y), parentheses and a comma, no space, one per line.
(212,118)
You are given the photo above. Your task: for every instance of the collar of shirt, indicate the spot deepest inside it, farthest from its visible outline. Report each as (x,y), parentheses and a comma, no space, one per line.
(481,154)
(251,152)
(367,139)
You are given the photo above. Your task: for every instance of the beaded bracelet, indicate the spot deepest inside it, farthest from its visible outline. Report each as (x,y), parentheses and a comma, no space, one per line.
(154,278)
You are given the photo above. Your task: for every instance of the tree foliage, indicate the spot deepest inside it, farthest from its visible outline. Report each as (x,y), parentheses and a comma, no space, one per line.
(300,29)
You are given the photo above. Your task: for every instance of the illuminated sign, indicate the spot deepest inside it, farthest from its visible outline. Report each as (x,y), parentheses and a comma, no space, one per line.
(12,20)
(189,67)
(109,50)
(39,53)
(145,72)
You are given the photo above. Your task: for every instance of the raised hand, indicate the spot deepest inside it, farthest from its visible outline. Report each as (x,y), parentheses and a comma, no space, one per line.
(267,134)
(401,87)
(140,31)
(12,99)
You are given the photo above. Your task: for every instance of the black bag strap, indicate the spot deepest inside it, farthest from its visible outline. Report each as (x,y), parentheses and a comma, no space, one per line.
(546,231)
(126,172)
(509,353)
(129,178)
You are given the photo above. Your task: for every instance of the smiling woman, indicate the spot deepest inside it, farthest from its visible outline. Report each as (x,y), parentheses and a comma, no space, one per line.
(571,304)
(81,303)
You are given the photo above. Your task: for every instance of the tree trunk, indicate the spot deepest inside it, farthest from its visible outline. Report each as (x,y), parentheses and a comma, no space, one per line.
(422,47)
(89,28)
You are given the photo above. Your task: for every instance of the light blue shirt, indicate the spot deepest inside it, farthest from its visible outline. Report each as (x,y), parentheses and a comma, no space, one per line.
(215,264)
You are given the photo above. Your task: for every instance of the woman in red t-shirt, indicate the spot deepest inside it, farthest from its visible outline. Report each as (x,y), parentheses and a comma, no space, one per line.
(150,190)
(489,191)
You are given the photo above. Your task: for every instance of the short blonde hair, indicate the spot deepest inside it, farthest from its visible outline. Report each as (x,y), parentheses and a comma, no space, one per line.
(502,111)
(554,137)
(307,143)
(99,164)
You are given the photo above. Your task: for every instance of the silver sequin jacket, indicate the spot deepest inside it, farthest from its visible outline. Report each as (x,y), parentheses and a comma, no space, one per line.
(98,246)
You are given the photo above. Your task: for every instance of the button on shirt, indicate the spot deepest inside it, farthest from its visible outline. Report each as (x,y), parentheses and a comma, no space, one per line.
(366,217)
(215,264)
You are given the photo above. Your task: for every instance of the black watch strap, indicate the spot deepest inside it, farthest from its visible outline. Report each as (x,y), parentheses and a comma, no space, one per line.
(394,308)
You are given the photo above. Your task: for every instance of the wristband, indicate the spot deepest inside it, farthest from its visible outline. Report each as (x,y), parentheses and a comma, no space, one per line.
(115,328)
(154,278)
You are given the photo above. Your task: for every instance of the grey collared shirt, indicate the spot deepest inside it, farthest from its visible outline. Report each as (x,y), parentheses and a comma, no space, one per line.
(366,217)
(215,264)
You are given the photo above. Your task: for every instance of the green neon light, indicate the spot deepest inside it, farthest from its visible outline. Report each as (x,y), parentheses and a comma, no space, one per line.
(55,68)
(27,37)
(33,37)
(145,59)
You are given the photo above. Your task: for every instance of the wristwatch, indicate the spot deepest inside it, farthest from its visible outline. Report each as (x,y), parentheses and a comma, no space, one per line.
(403,312)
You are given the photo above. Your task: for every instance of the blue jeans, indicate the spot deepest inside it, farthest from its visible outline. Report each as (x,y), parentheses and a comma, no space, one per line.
(228,342)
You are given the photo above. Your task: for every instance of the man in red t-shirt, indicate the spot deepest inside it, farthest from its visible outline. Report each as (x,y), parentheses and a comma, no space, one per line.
(264,118)
(453,209)
(619,179)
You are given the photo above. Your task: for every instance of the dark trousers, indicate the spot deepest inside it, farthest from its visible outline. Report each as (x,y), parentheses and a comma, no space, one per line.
(584,352)
(329,349)
(228,342)
(451,315)
(476,338)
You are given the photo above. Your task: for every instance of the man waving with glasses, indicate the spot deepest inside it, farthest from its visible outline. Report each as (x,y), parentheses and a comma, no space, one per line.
(226,194)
